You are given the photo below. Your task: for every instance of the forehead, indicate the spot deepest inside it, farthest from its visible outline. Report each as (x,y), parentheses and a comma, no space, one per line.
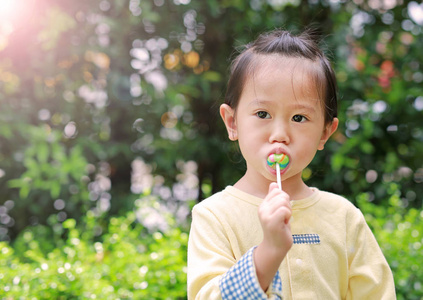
(285,75)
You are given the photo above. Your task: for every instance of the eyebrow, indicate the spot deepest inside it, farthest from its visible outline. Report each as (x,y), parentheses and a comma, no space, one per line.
(304,106)
(298,105)
(260,102)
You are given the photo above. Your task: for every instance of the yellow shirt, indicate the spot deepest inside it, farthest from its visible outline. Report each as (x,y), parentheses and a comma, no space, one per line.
(346,263)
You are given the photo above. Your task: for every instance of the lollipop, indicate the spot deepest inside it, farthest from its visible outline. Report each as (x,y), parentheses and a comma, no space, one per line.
(278,161)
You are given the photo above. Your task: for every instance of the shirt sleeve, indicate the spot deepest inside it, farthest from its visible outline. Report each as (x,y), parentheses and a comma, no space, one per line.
(241,282)
(213,271)
(369,274)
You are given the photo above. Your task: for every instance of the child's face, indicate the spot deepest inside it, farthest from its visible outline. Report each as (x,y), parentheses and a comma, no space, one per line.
(279,111)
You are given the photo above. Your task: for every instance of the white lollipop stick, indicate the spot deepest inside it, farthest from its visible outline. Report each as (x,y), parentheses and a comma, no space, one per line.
(278,176)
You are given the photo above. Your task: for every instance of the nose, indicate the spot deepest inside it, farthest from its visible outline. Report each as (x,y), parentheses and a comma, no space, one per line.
(279,133)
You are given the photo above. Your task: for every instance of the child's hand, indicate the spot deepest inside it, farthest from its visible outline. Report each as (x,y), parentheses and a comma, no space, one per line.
(274,214)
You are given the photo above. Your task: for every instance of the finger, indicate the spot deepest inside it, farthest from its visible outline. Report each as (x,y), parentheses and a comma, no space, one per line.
(278,222)
(273,200)
(277,196)
(274,211)
(274,191)
(283,214)
(277,203)
(273,186)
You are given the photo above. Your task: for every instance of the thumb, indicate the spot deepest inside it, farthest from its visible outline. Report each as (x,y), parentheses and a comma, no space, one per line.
(273,186)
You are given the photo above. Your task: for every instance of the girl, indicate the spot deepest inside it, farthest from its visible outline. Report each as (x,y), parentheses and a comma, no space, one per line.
(248,241)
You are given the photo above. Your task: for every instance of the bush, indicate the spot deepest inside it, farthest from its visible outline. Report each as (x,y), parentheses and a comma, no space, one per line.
(125,262)
(399,232)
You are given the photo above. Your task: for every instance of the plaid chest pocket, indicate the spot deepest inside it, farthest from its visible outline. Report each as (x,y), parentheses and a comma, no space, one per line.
(308,238)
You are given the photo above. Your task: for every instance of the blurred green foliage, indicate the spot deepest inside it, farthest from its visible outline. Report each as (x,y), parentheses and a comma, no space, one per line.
(125,262)
(102,101)
(399,232)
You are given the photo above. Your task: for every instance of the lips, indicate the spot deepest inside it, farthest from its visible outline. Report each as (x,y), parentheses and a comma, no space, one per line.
(278,150)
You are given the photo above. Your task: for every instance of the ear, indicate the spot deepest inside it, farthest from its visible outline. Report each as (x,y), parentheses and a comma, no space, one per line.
(327,132)
(228,116)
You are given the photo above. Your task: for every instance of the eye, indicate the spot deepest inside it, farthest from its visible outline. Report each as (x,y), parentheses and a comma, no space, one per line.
(299,118)
(263,115)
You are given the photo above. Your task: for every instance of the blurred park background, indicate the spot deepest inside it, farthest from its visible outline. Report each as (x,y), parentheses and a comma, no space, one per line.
(109,134)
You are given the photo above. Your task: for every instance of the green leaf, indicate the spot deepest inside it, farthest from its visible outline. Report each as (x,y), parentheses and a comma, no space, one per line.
(337,162)
(55,189)
(212,76)
(69,224)
(42,152)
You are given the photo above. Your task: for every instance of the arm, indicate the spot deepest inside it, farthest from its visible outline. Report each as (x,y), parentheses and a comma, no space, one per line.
(241,282)
(274,214)
(209,255)
(369,274)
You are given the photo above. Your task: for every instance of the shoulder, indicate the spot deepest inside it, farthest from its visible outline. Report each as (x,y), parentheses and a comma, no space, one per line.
(214,205)
(342,214)
(211,203)
(335,200)
(228,198)
(227,206)
(334,203)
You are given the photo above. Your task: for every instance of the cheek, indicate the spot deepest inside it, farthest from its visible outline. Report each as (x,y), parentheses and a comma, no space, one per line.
(304,158)
(248,129)
(307,150)
(250,140)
